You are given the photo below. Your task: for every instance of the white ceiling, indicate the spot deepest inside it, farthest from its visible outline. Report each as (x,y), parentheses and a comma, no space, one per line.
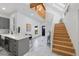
(18,7)
(57,7)
(12,7)
(25,8)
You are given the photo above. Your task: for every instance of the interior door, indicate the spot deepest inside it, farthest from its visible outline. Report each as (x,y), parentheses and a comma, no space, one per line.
(43,30)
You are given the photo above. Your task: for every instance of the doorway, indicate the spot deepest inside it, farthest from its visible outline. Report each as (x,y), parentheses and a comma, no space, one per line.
(43,30)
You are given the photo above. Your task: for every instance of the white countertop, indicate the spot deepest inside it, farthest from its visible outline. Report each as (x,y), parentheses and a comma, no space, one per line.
(16,36)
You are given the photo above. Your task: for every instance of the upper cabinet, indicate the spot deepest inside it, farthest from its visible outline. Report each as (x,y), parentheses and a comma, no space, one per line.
(39,8)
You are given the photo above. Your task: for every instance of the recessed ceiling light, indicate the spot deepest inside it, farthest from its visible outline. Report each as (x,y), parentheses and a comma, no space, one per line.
(3,8)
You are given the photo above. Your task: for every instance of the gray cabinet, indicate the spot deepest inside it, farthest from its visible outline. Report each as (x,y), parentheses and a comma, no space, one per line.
(13,48)
(19,47)
(0,40)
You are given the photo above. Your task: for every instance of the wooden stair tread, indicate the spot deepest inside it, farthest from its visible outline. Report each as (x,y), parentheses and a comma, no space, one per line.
(64,46)
(59,28)
(63,41)
(60,32)
(61,35)
(61,51)
(61,38)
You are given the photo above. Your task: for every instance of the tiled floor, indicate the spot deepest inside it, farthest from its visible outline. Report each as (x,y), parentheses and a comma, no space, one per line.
(3,52)
(39,48)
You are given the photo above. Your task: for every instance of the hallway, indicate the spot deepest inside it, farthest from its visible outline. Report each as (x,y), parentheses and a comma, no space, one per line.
(40,48)
(23,26)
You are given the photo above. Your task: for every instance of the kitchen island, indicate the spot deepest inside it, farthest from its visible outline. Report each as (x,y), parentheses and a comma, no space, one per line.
(18,45)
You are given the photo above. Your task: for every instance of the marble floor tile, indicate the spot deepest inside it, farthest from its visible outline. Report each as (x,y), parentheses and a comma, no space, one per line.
(40,48)
(3,52)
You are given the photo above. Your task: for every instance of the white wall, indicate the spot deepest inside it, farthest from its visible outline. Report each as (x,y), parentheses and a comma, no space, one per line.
(22,20)
(12,18)
(49,20)
(71,21)
(56,16)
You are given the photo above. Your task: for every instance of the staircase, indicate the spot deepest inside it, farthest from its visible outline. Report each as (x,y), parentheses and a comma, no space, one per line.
(62,44)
